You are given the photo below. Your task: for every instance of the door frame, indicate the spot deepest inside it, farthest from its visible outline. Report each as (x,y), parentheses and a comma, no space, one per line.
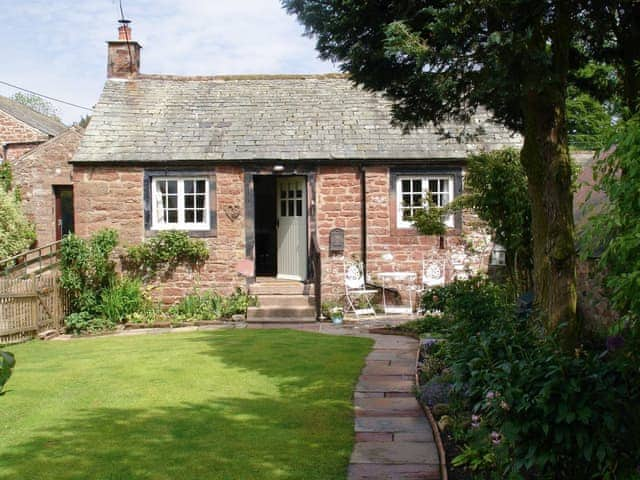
(310,174)
(57,213)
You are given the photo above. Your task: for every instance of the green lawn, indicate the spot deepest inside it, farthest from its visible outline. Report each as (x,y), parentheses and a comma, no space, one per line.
(233,404)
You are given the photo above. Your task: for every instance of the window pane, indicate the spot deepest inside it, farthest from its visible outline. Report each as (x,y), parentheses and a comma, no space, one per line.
(406,214)
(444,185)
(433,186)
(406,200)
(200,201)
(188,201)
(435,200)
(200,216)
(291,208)
(201,186)
(172,186)
(298,208)
(406,186)
(417,201)
(298,193)
(172,201)
(162,187)
(172,216)
(283,208)
(188,186)
(417,185)
(189,216)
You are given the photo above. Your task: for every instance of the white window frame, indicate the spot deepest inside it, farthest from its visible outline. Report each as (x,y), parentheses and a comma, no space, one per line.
(404,224)
(156,203)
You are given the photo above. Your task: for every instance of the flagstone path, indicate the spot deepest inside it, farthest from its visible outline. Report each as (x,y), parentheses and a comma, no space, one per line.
(393,437)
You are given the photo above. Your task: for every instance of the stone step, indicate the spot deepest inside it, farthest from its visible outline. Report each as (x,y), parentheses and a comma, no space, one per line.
(283,314)
(286,301)
(280,287)
(276,322)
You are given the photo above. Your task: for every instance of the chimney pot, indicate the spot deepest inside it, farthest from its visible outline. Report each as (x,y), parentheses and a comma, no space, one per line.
(124,33)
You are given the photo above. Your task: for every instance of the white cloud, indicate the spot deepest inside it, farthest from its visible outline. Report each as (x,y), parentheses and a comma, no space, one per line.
(61,51)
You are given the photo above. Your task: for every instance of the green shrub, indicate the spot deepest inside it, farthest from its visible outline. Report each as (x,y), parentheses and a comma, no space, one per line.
(16,232)
(430,324)
(7,362)
(123,298)
(212,306)
(87,269)
(545,412)
(167,249)
(85,322)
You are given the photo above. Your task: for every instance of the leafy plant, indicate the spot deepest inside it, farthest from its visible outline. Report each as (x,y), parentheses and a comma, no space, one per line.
(428,221)
(121,299)
(84,322)
(16,232)
(87,268)
(7,362)
(211,306)
(167,249)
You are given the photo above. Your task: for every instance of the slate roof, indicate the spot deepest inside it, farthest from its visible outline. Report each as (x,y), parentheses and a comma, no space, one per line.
(152,118)
(47,125)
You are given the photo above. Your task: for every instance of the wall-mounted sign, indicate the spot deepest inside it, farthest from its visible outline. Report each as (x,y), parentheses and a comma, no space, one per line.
(336,240)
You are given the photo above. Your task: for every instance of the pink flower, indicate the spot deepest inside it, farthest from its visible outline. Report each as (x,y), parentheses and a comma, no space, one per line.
(496,438)
(490,395)
(475,421)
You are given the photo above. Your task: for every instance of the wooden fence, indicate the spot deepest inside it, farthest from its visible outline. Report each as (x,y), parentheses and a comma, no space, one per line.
(31,299)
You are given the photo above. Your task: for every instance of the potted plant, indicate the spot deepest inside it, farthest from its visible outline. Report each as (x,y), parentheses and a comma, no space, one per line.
(337,315)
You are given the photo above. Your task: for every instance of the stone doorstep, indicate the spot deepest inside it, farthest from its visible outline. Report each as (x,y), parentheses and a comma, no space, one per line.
(392,424)
(395,453)
(382,384)
(372,471)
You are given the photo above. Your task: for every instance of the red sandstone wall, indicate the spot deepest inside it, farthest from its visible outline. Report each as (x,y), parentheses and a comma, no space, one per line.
(338,192)
(112,197)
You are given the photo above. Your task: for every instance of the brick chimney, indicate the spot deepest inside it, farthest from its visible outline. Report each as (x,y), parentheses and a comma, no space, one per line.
(124,54)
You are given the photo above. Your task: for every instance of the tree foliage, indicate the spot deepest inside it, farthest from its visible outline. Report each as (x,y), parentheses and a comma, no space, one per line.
(497,191)
(617,226)
(441,59)
(36,103)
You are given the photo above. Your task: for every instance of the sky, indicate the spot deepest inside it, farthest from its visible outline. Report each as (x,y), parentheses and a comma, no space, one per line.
(58,48)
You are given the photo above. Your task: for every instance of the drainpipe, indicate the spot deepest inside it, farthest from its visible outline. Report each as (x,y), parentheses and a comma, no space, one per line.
(363,223)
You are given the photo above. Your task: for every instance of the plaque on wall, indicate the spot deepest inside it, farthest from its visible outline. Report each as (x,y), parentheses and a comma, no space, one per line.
(336,240)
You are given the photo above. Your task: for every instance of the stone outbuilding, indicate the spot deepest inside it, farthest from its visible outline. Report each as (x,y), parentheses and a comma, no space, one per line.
(22,129)
(44,178)
(283,176)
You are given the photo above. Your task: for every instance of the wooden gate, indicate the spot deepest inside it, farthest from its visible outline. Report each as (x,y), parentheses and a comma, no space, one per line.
(31,299)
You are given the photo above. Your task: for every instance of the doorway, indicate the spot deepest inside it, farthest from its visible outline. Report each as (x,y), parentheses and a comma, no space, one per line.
(64,210)
(280,226)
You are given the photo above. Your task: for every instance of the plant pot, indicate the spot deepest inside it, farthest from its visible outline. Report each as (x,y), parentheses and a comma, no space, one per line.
(337,319)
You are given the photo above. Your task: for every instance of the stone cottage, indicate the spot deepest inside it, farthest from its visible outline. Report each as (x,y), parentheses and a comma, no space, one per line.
(265,169)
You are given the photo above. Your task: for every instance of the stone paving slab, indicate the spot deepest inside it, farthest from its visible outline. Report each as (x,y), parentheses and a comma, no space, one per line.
(382,407)
(393,355)
(422,436)
(364,471)
(383,384)
(394,453)
(392,424)
(400,377)
(393,342)
(386,370)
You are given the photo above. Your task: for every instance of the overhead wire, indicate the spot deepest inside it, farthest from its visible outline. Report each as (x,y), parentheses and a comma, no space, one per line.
(46,96)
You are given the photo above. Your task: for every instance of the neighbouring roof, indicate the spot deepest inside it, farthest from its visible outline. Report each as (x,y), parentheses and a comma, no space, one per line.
(47,125)
(153,118)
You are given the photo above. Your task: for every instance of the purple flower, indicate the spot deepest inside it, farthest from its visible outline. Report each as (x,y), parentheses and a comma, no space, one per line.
(496,438)
(490,395)
(615,342)
(475,421)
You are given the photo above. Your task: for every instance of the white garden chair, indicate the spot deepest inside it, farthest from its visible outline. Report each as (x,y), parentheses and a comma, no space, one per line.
(358,297)
(433,274)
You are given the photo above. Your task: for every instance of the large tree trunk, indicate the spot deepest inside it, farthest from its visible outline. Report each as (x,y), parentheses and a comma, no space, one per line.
(545,158)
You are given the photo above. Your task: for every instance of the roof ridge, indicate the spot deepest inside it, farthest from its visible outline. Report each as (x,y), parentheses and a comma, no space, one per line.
(276,76)
(38,121)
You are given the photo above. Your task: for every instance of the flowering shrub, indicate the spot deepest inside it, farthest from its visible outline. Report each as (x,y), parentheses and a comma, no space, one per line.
(534,409)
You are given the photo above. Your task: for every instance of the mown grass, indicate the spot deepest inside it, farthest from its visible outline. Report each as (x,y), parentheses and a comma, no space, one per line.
(237,404)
